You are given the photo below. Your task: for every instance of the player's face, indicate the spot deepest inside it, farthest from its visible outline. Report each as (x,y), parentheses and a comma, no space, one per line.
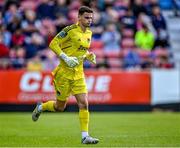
(86,19)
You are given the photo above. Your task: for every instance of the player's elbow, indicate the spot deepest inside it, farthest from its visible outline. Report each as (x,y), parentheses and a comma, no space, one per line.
(51,44)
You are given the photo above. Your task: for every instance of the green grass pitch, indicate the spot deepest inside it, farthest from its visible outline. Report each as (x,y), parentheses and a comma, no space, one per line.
(113,129)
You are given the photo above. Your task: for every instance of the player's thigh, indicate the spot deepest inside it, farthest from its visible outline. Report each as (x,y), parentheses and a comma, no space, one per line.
(62,88)
(79,87)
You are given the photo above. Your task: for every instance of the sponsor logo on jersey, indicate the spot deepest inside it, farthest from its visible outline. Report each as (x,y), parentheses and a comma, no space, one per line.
(62,34)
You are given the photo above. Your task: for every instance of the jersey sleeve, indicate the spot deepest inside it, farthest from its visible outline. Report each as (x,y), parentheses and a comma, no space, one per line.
(61,37)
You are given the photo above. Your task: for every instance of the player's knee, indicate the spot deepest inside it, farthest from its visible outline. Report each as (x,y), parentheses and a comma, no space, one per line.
(83,106)
(59,108)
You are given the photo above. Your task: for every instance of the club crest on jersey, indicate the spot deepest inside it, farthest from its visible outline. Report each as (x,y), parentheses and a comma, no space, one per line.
(58,93)
(62,34)
(88,40)
(82,48)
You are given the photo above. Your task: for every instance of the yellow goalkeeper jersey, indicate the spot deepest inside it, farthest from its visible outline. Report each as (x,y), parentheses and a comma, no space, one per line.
(73,42)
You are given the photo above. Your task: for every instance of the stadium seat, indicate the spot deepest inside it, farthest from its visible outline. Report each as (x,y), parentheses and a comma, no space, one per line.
(28,4)
(124,3)
(127,33)
(144,53)
(72,15)
(113,54)
(121,13)
(99,59)
(124,52)
(166,4)
(98,52)
(127,43)
(115,62)
(97,44)
(161,52)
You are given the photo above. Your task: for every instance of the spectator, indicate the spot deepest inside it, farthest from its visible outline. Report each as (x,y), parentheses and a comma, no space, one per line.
(176,7)
(158,20)
(35,64)
(35,44)
(111,38)
(97,27)
(163,62)
(87,65)
(147,63)
(5,64)
(74,5)
(144,39)
(161,39)
(48,30)
(14,24)
(1,19)
(103,63)
(45,10)
(17,57)
(60,22)
(132,60)
(18,39)
(4,50)
(138,7)
(48,59)
(61,11)
(11,12)
(144,19)
(30,24)
(60,8)
(6,35)
(159,24)
(150,4)
(111,15)
(128,20)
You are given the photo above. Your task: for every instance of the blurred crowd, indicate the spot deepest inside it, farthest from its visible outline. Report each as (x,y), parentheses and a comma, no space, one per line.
(127,34)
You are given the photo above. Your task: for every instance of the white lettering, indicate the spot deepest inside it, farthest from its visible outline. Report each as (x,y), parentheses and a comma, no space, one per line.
(30,81)
(102,83)
(46,86)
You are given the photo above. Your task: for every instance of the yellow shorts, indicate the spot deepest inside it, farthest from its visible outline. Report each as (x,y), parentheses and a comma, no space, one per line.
(65,87)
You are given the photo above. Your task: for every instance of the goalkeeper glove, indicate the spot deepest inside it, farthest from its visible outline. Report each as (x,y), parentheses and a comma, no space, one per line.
(91,57)
(70,61)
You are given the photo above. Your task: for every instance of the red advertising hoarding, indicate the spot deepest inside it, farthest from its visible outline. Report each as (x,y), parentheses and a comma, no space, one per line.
(112,87)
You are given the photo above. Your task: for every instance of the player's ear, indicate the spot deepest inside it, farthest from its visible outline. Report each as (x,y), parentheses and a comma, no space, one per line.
(79,17)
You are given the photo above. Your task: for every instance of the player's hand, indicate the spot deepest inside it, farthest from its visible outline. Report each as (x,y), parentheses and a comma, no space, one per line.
(70,61)
(91,57)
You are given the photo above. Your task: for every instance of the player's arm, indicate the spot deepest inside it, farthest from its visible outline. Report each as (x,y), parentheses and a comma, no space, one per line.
(56,41)
(90,56)
(54,45)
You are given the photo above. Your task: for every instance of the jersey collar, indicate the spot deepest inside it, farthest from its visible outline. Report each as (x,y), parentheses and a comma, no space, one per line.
(87,28)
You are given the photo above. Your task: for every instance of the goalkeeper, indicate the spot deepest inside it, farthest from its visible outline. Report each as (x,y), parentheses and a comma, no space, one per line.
(71,46)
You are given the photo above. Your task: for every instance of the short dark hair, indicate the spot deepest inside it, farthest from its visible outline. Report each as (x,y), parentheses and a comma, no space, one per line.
(84,9)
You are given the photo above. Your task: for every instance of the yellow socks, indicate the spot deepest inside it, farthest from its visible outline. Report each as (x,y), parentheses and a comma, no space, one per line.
(84,119)
(49,106)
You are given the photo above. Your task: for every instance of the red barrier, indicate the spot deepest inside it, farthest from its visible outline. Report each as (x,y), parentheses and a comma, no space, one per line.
(23,87)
